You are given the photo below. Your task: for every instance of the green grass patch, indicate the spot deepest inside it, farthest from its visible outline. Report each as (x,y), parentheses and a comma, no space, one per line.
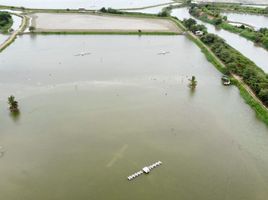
(260,111)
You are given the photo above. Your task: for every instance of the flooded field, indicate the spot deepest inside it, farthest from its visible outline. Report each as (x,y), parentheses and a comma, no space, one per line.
(72,22)
(257,21)
(257,54)
(93,4)
(246,2)
(15,26)
(88,122)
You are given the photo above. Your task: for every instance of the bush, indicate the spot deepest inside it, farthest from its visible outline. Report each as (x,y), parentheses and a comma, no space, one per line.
(31,28)
(238,64)
(110,10)
(164,13)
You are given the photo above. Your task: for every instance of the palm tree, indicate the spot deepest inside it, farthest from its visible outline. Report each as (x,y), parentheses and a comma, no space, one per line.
(13,105)
(193,82)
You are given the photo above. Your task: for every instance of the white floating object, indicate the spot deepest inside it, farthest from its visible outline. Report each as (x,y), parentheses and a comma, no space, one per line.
(145,170)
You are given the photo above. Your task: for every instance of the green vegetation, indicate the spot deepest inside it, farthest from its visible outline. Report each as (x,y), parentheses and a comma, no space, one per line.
(211,41)
(193,82)
(193,26)
(221,7)
(164,13)
(13,105)
(238,64)
(32,28)
(211,14)
(259,37)
(110,10)
(5,21)
(259,109)
(204,13)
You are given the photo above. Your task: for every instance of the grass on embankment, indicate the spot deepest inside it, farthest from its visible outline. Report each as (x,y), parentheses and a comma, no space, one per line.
(260,111)
(212,14)
(250,99)
(11,39)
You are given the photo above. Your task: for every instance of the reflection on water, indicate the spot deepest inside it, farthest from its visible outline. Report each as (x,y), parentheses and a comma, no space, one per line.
(15,26)
(257,54)
(15,116)
(257,21)
(88,122)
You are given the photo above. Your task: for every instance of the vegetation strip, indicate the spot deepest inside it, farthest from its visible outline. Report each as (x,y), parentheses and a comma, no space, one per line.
(15,33)
(211,14)
(234,7)
(6,22)
(251,80)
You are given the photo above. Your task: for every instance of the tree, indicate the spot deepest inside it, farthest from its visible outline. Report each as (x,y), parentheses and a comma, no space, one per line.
(266,10)
(13,104)
(164,13)
(193,82)
(217,21)
(209,38)
(263,94)
(189,22)
(103,9)
(31,28)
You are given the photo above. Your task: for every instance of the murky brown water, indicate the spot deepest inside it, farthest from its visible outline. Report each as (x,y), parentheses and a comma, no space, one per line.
(87,122)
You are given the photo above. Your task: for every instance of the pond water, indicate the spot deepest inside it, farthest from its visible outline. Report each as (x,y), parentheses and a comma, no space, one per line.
(154,10)
(15,26)
(255,6)
(93,4)
(3,37)
(88,122)
(246,47)
(16,22)
(257,21)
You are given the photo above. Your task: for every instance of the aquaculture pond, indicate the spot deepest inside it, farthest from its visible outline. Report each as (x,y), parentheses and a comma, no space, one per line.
(87,122)
(255,53)
(93,4)
(257,21)
(15,26)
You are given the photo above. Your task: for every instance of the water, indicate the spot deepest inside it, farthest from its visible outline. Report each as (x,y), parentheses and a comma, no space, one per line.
(3,37)
(257,54)
(88,122)
(245,2)
(16,22)
(255,6)
(257,21)
(15,26)
(154,10)
(93,4)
